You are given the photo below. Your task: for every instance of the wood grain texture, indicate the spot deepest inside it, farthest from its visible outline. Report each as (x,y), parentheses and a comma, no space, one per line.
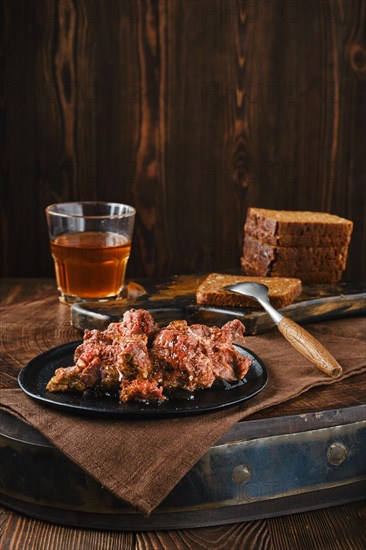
(190,110)
(17,532)
(253,534)
(333,528)
(310,347)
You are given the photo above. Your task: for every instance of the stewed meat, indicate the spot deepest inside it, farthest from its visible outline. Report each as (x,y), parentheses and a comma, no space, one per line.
(192,357)
(181,360)
(141,390)
(141,361)
(135,321)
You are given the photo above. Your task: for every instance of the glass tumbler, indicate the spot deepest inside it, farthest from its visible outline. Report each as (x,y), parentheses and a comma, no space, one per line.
(90,245)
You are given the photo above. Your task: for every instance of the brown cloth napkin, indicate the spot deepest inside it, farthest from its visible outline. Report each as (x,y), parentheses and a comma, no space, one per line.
(141,461)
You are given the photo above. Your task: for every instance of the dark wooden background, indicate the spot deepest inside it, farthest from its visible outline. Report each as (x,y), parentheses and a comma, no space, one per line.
(192,110)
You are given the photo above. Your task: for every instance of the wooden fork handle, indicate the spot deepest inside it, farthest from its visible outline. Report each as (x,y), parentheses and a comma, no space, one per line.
(310,347)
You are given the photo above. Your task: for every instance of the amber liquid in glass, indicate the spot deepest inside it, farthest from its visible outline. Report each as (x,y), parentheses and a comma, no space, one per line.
(90,265)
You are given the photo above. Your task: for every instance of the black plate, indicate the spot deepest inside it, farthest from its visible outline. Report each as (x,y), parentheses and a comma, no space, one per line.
(34,377)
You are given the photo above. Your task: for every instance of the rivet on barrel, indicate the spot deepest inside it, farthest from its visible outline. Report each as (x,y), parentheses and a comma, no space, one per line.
(241,474)
(336,453)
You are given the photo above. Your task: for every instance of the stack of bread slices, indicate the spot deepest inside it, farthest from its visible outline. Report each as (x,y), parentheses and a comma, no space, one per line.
(312,246)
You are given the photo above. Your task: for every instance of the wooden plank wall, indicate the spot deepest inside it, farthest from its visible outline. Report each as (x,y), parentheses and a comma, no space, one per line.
(192,110)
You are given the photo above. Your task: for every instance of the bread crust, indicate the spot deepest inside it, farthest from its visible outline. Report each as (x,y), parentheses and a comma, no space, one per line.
(276,258)
(298,228)
(291,270)
(282,291)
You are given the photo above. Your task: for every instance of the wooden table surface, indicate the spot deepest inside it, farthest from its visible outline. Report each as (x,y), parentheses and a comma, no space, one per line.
(32,320)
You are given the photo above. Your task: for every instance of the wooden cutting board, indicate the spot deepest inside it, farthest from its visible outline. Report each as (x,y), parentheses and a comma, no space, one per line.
(174,298)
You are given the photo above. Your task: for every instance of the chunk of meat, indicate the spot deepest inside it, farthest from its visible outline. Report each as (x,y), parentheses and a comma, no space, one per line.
(233,332)
(127,359)
(192,357)
(228,363)
(105,357)
(141,390)
(85,374)
(132,357)
(110,378)
(94,341)
(66,379)
(135,321)
(181,360)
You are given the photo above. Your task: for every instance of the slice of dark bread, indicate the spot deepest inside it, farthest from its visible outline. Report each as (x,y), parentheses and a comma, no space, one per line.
(269,257)
(298,228)
(282,291)
(288,269)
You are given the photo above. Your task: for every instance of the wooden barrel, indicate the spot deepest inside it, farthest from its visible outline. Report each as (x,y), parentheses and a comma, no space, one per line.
(260,468)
